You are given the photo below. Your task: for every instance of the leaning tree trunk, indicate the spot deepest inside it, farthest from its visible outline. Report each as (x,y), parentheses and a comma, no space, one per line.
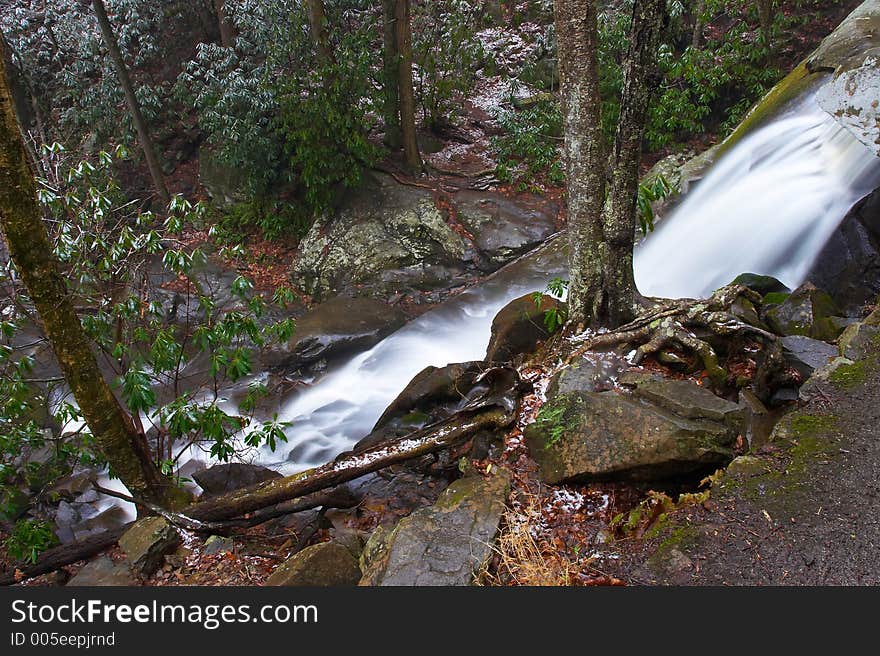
(227,31)
(131,100)
(390,76)
(405,80)
(577,46)
(639,73)
(28,242)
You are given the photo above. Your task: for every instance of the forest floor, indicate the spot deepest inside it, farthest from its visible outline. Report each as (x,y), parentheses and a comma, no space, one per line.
(802,510)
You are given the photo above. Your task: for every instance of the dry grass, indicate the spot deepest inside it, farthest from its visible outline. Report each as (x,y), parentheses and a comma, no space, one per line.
(519,557)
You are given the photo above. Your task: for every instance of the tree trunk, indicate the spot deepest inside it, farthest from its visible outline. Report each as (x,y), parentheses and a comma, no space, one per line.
(318,29)
(765,16)
(577,47)
(390,76)
(131,100)
(639,81)
(227,30)
(405,79)
(28,242)
(697,37)
(601,230)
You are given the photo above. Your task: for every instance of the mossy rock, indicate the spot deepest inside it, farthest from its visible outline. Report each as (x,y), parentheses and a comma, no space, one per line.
(325,564)
(807,311)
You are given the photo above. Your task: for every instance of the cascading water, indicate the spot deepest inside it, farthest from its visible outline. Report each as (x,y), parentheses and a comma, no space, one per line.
(768,206)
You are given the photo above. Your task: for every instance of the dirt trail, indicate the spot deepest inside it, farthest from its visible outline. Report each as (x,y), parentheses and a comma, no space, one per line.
(805,510)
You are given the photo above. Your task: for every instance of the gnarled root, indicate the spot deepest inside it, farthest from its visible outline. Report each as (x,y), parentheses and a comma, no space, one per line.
(676,323)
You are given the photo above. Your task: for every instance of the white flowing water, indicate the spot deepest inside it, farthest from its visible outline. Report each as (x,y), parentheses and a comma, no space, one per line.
(768,206)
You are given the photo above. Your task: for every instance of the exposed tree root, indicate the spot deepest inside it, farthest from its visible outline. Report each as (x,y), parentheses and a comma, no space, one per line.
(680,323)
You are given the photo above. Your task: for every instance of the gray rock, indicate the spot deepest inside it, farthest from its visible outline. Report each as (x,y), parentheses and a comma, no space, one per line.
(806,354)
(444,544)
(382,226)
(504,227)
(818,383)
(147,542)
(851,98)
(519,327)
(664,428)
(339,327)
(807,311)
(217,544)
(324,564)
(102,572)
(105,520)
(862,338)
(220,479)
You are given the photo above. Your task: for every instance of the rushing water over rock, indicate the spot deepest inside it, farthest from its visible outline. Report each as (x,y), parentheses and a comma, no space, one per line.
(768,207)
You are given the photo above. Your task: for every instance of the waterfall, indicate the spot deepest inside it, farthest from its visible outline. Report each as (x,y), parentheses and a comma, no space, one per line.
(768,206)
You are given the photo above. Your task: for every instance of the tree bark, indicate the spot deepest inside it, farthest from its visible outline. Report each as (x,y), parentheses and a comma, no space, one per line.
(62,555)
(227,30)
(31,251)
(765,17)
(697,37)
(131,100)
(601,232)
(348,466)
(405,79)
(318,29)
(390,76)
(639,73)
(577,47)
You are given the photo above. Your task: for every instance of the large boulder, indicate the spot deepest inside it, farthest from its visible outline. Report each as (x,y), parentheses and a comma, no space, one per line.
(861,338)
(519,327)
(323,564)
(382,227)
(806,354)
(146,544)
(220,479)
(444,544)
(662,428)
(503,227)
(848,267)
(339,327)
(808,311)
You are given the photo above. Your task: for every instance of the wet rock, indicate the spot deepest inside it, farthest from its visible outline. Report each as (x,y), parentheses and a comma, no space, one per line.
(102,572)
(519,327)
(339,327)
(663,428)
(383,226)
(444,544)
(806,354)
(324,564)
(216,544)
(807,311)
(220,479)
(504,228)
(848,267)
(851,98)
(763,285)
(147,542)
(223,183)
(593,373)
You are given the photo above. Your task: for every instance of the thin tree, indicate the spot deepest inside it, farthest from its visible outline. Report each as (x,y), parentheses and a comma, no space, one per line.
(131,100)
(21,221)
(227,31)
(390,76)
(765,17)
(601,217)
(318,29)
(405,85)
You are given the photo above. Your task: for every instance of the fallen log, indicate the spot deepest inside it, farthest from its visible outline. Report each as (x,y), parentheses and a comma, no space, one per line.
(58,557)
(347,467)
